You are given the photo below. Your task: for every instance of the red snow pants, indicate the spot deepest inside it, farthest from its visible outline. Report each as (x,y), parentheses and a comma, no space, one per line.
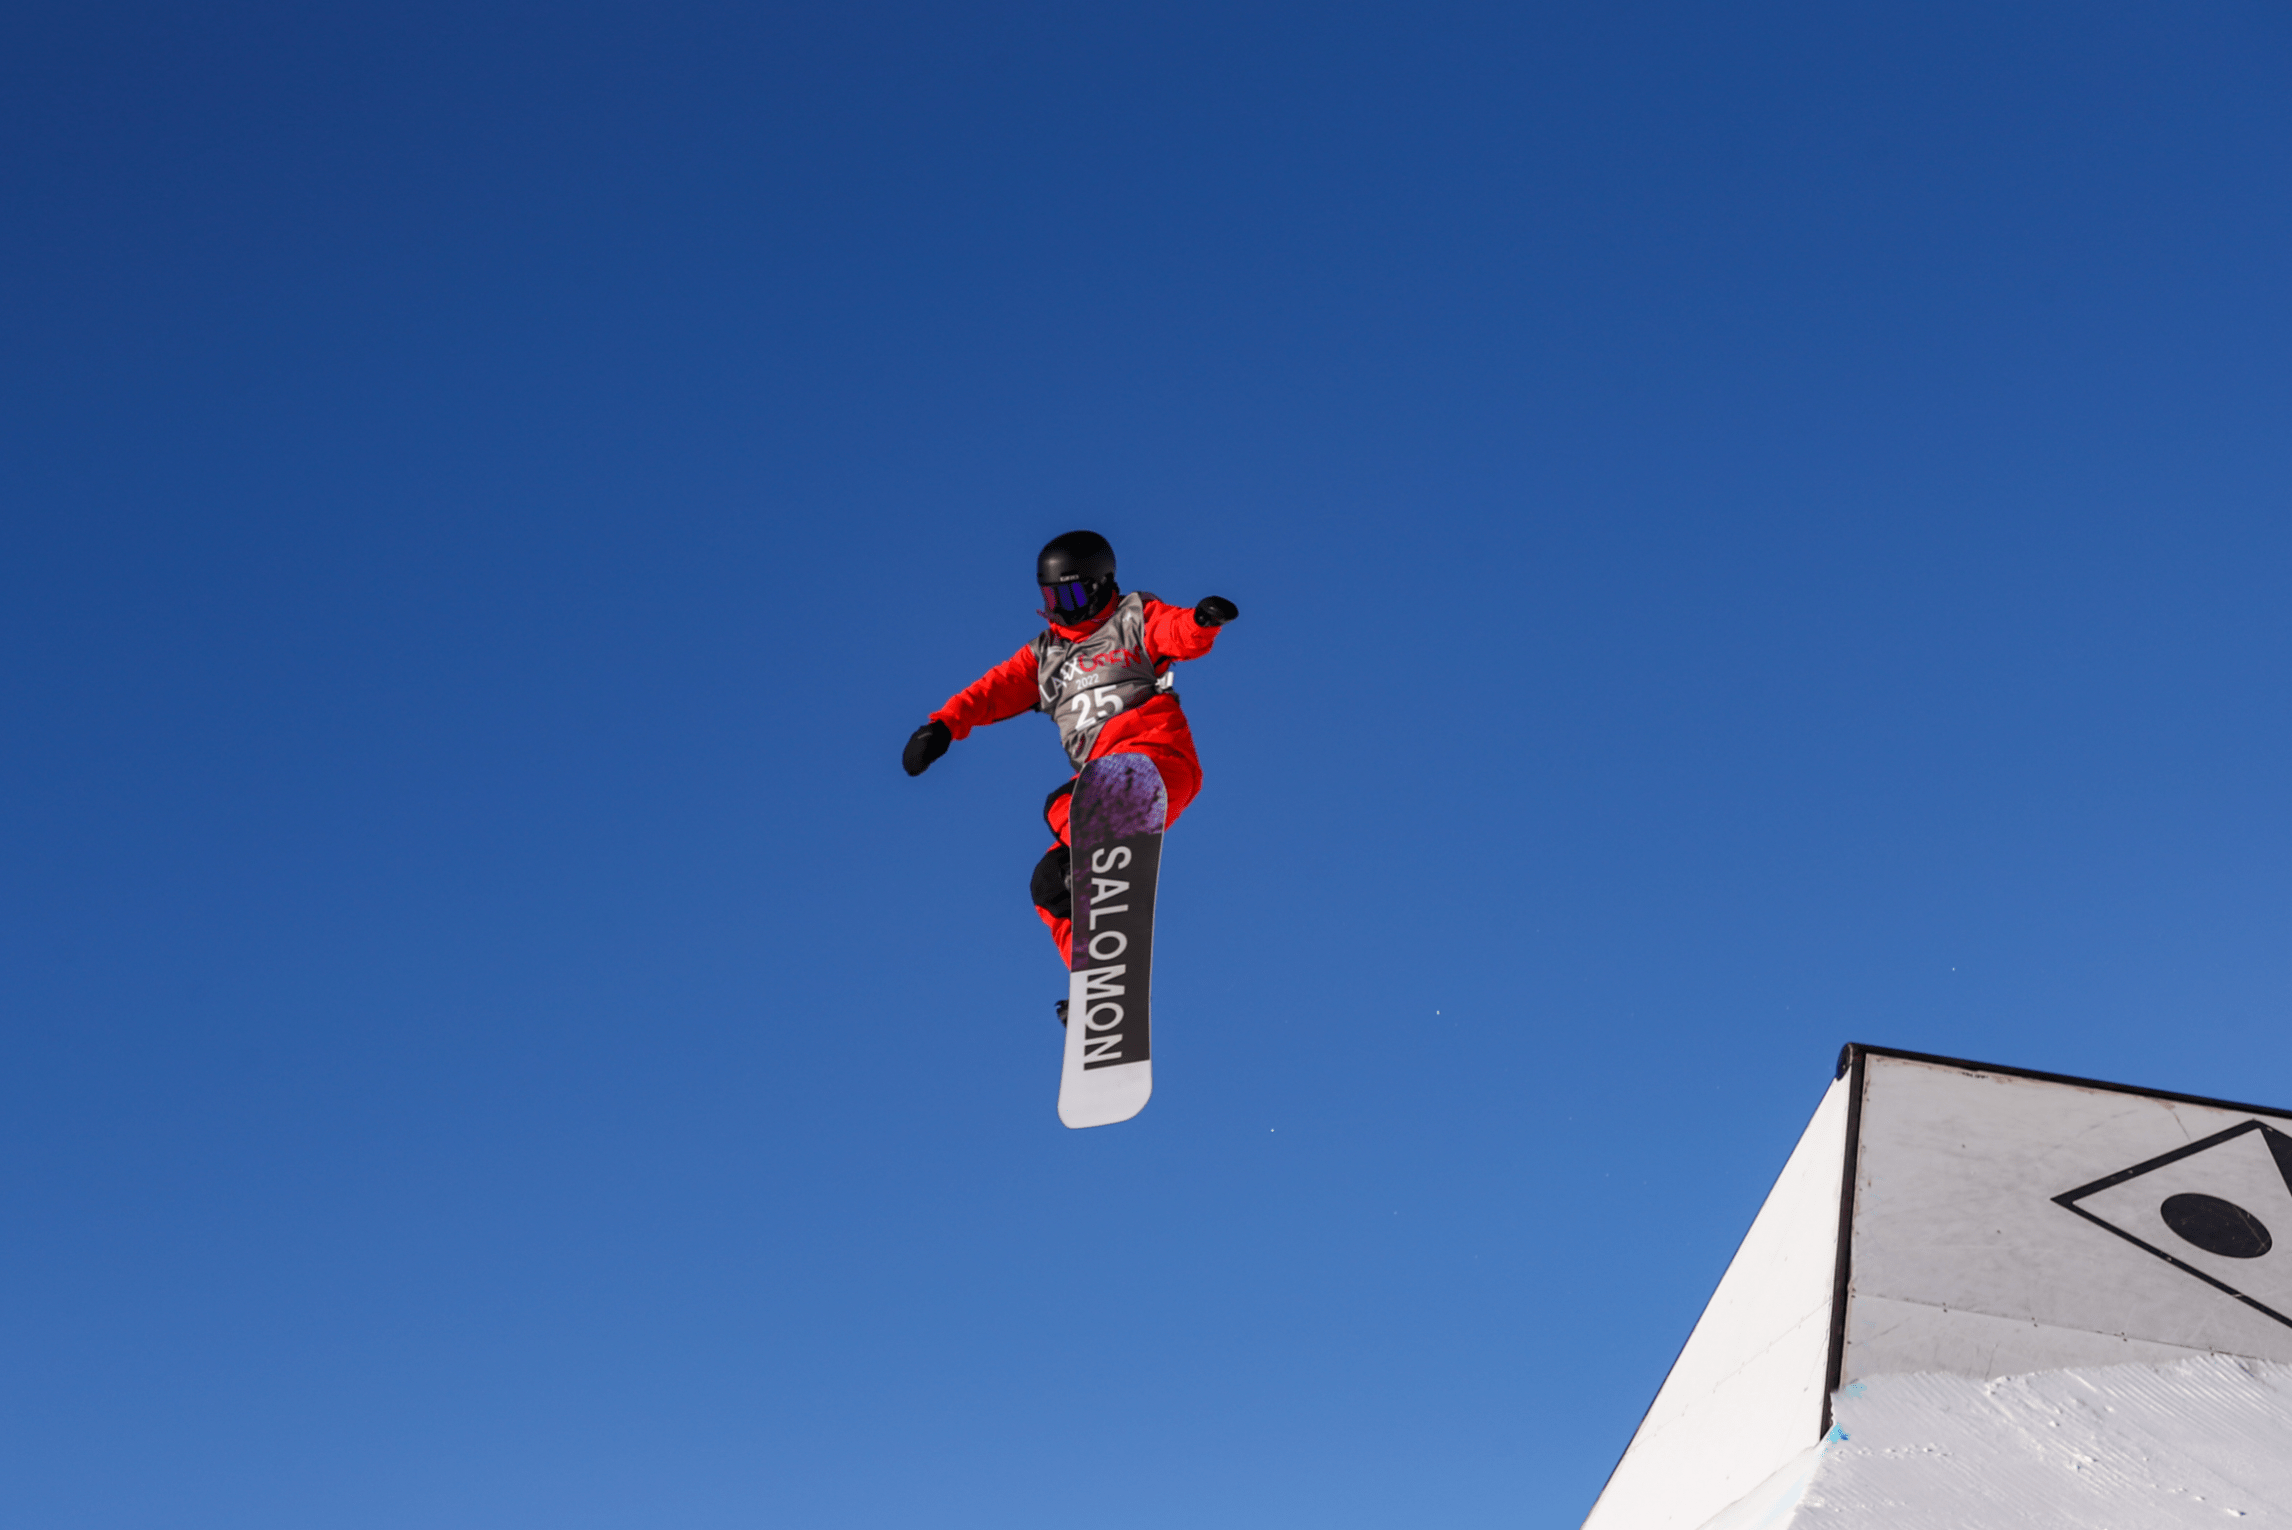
(1181,778)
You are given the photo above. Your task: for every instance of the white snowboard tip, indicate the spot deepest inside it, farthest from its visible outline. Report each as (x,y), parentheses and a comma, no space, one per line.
(1104,1096)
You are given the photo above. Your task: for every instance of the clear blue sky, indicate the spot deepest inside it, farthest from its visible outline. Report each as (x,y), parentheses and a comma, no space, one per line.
(1755,527)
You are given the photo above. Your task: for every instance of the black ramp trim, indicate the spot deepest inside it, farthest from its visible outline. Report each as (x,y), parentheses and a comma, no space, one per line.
(2065,1078)
(1850,1061)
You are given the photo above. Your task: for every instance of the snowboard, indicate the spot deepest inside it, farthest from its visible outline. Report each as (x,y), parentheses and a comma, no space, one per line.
(1114,832)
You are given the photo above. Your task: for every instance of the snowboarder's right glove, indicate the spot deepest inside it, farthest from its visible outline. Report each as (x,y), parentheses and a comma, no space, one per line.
(1215,611)
(924,745)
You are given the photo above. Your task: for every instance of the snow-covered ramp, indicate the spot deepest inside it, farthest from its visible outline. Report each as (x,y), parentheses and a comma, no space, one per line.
(1979,1296)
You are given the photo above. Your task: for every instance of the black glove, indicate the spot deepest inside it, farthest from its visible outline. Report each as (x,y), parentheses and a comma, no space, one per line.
(924,745)
(1215,611)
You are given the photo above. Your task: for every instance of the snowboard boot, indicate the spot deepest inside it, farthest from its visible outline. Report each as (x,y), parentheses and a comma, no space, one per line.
(1053,883)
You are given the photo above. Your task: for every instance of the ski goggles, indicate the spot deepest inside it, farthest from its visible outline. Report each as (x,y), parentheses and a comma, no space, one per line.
(1070,600)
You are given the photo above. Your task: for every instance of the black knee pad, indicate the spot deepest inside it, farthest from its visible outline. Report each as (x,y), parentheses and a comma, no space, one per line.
(1051,883)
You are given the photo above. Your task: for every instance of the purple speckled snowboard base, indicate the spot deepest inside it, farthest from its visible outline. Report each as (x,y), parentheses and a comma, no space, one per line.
(1117,797)
(1115,832)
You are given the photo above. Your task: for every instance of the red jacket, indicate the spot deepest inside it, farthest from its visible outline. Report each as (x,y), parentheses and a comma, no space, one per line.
(1156,727)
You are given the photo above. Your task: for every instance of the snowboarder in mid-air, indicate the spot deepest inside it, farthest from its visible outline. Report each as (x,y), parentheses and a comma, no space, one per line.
(1101,669)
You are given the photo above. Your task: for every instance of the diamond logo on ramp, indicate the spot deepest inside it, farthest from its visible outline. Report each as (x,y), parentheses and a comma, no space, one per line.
(2220,1209)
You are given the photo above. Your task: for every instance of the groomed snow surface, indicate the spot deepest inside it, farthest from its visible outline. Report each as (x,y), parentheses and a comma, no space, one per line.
(2204,1441)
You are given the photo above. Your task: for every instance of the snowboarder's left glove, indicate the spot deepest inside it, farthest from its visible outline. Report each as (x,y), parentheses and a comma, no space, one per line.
(1215,611)
(924,745)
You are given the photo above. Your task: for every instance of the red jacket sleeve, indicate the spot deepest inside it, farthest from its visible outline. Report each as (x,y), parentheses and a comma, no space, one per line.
(1172,632)
(1004,691)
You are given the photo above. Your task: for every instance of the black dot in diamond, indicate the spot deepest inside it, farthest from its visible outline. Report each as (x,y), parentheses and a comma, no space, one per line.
(2217,1226)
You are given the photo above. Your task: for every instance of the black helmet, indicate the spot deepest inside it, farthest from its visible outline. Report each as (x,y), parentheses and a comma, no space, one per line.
(1076,572)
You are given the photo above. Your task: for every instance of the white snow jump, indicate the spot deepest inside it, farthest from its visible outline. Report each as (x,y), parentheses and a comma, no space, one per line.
(1946,1218)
